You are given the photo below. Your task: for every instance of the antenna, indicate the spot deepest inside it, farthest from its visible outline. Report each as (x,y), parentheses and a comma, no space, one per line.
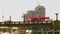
(38,2)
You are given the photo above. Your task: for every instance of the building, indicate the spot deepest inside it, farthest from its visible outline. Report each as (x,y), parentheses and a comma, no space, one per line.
(38,12)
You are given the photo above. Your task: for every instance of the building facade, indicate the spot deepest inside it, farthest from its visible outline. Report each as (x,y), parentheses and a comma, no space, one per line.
(38,12)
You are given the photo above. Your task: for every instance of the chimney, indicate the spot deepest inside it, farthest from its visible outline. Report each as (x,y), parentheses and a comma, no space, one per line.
(56,16)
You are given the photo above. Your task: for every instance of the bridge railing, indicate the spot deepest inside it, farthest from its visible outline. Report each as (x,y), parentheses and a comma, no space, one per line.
(11,22)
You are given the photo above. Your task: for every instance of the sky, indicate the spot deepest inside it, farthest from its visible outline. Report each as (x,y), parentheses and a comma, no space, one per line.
(16,8)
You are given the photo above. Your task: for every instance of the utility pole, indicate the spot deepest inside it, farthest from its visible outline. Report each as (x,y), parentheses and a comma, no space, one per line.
(3,11)
(24,18)
(10,18)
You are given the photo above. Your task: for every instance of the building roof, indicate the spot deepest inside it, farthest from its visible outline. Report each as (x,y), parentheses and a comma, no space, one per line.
(40,7)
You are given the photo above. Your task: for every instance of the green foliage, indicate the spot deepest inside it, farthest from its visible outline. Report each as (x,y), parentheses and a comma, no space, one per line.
(57,25)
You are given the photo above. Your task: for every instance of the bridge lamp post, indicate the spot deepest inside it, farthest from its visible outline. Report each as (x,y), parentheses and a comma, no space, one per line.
(56,16)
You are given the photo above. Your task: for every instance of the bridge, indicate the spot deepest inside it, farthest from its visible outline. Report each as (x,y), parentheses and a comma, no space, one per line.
(44,25)
(34,25)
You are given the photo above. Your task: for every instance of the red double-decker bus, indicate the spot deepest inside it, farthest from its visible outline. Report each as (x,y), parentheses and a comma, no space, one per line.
(38,19)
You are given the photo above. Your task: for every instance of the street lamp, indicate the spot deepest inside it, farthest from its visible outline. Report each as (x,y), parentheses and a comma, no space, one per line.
(56,16)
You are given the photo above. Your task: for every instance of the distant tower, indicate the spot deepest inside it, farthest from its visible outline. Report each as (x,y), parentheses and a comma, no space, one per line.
(56,16)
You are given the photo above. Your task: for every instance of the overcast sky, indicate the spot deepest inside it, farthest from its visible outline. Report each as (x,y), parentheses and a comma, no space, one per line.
(16,8)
